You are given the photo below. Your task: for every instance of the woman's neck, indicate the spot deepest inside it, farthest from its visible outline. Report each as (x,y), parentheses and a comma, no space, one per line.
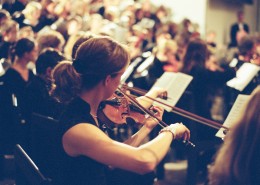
(93,98)
(20,63)
(21,67)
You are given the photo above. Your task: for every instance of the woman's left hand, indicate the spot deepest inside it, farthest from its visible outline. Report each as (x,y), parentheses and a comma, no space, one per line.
(152,122)
(153,93)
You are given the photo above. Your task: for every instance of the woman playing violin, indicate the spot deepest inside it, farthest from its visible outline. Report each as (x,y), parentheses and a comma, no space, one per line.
(86,150)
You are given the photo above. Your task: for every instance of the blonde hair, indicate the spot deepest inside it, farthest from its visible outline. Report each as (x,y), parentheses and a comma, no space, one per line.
(8,26)
(31,8)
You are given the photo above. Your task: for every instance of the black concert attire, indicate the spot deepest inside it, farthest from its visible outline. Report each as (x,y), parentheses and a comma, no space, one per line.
(15,83)
(13,6)
(155,71)
(39,99)
(204,84)
(235,28)
(6,49)
(46,19)
(123,177)
(15,124)
(19,17)
(80,170)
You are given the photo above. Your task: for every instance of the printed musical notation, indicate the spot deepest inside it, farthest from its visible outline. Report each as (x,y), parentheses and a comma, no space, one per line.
(244,76)
(175,85)
(235,113)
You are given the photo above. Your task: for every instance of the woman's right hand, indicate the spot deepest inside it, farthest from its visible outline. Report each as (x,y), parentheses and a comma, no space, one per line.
(179,131)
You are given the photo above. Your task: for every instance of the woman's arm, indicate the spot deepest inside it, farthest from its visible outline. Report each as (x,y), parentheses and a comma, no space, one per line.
(88,140)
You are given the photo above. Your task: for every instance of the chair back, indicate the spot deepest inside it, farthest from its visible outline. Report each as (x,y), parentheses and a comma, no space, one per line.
(27,172)
(44,143)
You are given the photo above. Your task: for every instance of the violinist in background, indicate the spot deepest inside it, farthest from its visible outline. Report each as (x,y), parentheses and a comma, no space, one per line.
(204,77)
(238,160)
(246,48)
(86,151)
(248,52)
(198,95)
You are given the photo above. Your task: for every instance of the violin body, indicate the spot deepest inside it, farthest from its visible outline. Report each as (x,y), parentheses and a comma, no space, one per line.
(118,110)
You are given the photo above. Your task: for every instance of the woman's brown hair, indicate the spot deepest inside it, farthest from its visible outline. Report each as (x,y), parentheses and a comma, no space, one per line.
(95,59)
(196,55)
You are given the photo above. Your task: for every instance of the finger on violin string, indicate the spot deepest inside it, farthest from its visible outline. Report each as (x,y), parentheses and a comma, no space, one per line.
(154,109)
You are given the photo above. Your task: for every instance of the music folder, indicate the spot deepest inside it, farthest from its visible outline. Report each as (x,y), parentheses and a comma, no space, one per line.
(175,85)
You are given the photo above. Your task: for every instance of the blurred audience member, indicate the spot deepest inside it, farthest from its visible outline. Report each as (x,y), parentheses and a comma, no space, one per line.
(14,82)
(9,31)
(50,38)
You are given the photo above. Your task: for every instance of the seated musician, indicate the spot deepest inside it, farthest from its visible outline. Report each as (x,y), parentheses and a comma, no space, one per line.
(86,151)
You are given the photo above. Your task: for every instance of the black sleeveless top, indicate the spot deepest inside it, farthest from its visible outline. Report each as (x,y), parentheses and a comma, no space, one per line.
(79,170)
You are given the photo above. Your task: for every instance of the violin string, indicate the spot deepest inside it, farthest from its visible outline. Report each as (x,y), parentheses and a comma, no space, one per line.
(182,112)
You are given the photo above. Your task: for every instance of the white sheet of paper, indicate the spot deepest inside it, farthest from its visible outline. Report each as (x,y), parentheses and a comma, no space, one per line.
(236,111)
(244,75)
(2,71)
(175,85)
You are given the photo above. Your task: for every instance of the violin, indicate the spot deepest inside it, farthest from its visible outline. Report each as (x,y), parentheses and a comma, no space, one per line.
(122,108)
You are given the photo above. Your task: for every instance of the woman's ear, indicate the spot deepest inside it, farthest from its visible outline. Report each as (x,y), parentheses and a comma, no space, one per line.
(48,71)
(107,80)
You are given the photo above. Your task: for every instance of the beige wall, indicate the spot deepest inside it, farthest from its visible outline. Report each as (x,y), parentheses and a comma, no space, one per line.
(221,14)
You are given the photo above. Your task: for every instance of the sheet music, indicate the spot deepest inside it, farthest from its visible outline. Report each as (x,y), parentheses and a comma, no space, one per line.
(244,76)
(234,114)
(175,85)
(2,71)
